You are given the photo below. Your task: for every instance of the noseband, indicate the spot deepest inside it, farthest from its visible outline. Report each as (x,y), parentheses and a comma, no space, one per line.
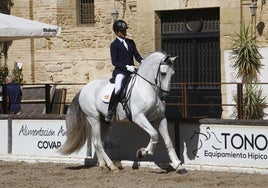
(164,61)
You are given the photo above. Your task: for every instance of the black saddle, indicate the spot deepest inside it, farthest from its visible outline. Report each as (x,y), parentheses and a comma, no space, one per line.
(124,86)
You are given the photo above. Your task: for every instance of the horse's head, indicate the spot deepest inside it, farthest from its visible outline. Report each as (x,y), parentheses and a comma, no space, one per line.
(164,75)
(157,69)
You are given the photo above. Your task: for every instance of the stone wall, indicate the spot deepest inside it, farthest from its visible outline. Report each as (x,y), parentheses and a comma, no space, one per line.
(81,53)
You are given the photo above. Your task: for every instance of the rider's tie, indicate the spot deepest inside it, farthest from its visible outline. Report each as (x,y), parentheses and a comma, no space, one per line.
(125,44)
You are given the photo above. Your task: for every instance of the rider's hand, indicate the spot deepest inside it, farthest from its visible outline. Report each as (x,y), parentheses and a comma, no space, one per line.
(130,68)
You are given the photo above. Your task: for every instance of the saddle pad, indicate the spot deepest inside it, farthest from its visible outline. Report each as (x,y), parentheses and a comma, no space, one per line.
(106,92)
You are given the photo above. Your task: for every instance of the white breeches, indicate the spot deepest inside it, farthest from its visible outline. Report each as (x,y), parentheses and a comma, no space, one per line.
(118,83)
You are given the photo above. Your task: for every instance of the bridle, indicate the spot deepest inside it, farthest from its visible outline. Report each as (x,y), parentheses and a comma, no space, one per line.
(158,88)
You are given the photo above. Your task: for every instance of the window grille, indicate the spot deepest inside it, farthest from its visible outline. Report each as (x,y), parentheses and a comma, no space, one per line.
(86,12)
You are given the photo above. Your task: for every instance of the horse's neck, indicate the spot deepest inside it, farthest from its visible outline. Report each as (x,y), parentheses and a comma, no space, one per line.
(149,67)
(148,71)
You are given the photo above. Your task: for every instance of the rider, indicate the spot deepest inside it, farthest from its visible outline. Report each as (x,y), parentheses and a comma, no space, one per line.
(122,51)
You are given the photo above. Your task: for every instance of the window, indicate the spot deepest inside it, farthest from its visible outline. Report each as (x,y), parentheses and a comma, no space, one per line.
(86,12)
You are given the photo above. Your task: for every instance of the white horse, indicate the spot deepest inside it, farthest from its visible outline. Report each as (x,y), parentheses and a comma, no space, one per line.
(145,92)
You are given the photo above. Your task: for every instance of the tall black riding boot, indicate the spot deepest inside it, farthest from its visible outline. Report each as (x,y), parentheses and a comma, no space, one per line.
(112,106)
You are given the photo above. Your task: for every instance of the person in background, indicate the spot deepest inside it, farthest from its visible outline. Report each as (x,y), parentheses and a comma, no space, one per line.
(14,95)
(122,51)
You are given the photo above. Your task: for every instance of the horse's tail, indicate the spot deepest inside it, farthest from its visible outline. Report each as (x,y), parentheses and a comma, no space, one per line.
(78,128)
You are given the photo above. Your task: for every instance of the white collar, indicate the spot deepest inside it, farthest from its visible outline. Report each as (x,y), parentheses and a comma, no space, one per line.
(120,39)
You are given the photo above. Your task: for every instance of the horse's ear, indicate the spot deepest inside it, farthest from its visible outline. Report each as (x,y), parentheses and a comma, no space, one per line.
(166,58)
(173,58)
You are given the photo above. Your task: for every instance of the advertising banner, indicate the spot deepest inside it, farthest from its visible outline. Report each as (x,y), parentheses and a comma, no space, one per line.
(226,145)
(3,136)
(40,138)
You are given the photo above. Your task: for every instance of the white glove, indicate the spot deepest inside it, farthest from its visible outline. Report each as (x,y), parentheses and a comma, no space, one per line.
(130,68)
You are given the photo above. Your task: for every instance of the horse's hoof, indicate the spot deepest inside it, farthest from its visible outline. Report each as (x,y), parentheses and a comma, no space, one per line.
(103,167)
(181,170)
(139,154)
(114,169)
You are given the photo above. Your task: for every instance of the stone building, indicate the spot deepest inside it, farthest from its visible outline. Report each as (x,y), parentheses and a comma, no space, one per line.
(179,27)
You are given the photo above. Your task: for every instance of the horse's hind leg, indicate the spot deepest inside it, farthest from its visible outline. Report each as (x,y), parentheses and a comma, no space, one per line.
(104,131)
(101,161)
(102,156)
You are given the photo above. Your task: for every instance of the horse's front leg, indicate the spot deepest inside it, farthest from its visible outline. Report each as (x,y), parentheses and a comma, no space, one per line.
(142,121)
(176,163)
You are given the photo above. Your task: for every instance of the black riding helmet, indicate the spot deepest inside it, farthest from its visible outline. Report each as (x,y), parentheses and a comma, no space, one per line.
(120,25)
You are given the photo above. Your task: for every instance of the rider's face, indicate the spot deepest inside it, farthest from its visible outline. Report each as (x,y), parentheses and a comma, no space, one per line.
(122,34)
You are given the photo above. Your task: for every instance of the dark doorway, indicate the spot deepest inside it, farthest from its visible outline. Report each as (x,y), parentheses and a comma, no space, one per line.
(194,36)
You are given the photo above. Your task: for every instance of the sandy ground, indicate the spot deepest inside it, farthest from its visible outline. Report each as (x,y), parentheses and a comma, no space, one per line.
(48,175)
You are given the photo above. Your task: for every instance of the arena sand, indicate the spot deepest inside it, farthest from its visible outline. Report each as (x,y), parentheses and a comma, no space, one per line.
(55,175)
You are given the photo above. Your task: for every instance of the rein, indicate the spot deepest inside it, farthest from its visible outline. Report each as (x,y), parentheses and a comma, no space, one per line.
(163,62)
(154,85)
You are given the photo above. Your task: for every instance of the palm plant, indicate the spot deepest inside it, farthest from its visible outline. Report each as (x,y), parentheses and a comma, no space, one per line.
(248,65)
(254,102)
(248,62)
(17,74)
